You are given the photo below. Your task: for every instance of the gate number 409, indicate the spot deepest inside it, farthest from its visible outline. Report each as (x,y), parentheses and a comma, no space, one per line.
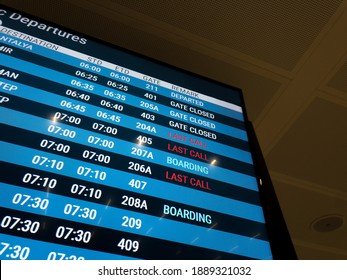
(129,245)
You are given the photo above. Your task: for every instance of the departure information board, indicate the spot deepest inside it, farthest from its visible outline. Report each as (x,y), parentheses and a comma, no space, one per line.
(106,154)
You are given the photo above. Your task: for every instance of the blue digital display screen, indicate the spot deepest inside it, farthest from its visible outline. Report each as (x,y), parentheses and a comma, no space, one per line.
(106,154)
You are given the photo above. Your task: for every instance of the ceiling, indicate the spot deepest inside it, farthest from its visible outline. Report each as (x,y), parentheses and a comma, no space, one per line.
(290,59)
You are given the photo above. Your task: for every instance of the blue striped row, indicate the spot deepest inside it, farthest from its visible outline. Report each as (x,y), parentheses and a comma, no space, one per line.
(157,227)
